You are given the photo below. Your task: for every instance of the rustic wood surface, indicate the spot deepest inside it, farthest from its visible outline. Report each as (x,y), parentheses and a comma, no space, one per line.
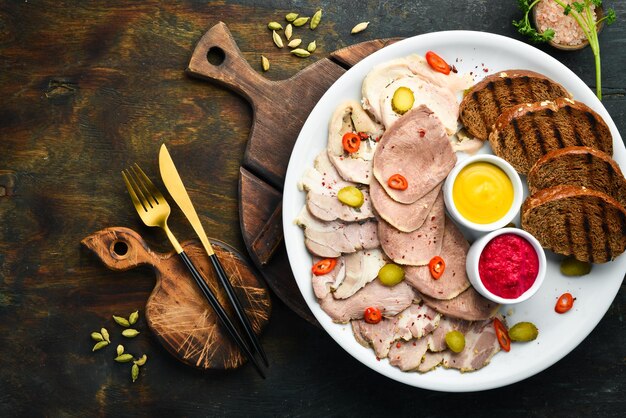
(177,312)
(90,87)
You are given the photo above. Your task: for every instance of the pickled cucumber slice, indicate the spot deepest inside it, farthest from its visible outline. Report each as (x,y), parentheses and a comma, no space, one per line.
(455,341)
(402,100)
(390,274)
(572,267)
(350,196)
(523,331)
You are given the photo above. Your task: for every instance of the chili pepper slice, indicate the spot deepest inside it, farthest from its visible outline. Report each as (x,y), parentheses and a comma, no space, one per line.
(324,266)
(437,63)
(502,334)
(351,142)
(372,315)
(398,182)
(436,266)
(565,303)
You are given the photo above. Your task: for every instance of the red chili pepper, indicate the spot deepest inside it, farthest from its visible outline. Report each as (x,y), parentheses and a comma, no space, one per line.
(437,63)
(565,303)
(324,266)
(351,142)
(502,334)
(436,266)
(398,182)
(372,315)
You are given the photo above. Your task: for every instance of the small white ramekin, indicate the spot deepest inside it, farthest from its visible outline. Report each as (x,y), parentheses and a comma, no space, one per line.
(473,256)
(518,192)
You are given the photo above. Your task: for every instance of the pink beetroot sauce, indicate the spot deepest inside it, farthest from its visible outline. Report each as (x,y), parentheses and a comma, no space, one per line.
(508,266)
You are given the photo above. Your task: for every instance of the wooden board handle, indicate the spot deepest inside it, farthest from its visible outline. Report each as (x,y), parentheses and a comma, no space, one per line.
(229,67)
(121,249)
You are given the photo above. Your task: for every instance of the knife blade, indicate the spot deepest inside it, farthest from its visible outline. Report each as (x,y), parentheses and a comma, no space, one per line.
(176,188)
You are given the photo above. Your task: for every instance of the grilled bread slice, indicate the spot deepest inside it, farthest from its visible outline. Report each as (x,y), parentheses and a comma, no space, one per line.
(527,132)
(484,102)
(579,166)
(573,220)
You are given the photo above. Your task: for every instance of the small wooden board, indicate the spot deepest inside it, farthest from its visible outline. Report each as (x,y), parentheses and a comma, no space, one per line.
(176,311)
(272,137)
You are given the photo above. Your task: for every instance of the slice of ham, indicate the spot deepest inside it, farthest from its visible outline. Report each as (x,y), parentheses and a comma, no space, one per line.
(454,280)
(322,184)
(481,344)
(331,239)
(390,300)
(357,166)
(415,248)
(404,217)
(408,355)
(417,148)
(331,280)
(416,321)
(360,268)
(469,305)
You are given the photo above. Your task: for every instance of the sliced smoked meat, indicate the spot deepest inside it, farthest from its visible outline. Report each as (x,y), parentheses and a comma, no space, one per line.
(469,305)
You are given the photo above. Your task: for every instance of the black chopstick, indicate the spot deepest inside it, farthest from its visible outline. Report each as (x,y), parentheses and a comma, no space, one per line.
(241,313)
(221,314)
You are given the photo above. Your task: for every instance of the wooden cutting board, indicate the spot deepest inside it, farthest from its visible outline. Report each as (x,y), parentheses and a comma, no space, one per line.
(272,137)
(177,312)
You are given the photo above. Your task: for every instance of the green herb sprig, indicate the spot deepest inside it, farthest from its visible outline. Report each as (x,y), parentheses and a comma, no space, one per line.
(582,14)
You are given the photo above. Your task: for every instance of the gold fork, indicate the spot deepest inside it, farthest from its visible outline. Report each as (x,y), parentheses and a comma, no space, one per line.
(154,210)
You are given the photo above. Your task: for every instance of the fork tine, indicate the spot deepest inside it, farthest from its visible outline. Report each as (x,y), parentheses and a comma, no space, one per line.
(152,189)
(147,199)
(131,191)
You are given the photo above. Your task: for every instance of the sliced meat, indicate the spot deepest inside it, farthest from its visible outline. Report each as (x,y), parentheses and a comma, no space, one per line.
(325,283)
(481,344)
(416,321)
(331,239)
(408,355)
(418,247)
(357,166)
(322,184)
(430,361)
(390,301)
(454,279)
(469,305)
(417,148)
(361,268)
(404,217)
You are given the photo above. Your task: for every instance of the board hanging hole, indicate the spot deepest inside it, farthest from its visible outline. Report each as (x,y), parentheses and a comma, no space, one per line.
(119,249)
(216,55)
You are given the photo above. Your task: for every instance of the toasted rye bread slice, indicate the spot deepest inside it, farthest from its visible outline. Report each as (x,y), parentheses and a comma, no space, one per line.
(573,220)
(579,166)
(527,132)
(498,92)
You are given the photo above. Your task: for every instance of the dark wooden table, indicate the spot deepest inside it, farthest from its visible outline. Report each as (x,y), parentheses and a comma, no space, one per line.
(90,87)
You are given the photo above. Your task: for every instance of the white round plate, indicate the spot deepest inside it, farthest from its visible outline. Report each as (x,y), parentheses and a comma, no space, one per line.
(558,334)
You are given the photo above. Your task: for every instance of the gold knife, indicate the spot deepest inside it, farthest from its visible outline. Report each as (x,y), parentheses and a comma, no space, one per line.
(176,188)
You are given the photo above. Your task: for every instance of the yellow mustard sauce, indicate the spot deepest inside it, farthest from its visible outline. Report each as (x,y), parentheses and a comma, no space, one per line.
(482,193)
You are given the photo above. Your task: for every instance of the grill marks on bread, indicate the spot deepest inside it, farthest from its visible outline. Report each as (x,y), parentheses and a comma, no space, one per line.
(572,220)
(489,98)
(527,132)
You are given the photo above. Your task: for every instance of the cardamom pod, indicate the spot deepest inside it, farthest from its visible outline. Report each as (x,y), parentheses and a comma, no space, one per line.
(96,336)
(134,372)
(294,43)
(120,349)
(141,360)
(311,47)
(133,317)
(291,17)
(299,52)
(121,321)
(130,333)
(300,21)
(105,334)
(277,39)
(359,28)
(288,31)
(265,63)
(274,26)
(99,345)
(315,20)
(124,358)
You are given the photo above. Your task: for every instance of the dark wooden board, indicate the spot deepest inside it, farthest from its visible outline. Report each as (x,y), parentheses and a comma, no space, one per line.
(177,312)
(280,108)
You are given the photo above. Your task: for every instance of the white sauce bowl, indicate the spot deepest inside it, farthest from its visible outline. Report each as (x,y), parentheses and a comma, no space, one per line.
(473,256)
